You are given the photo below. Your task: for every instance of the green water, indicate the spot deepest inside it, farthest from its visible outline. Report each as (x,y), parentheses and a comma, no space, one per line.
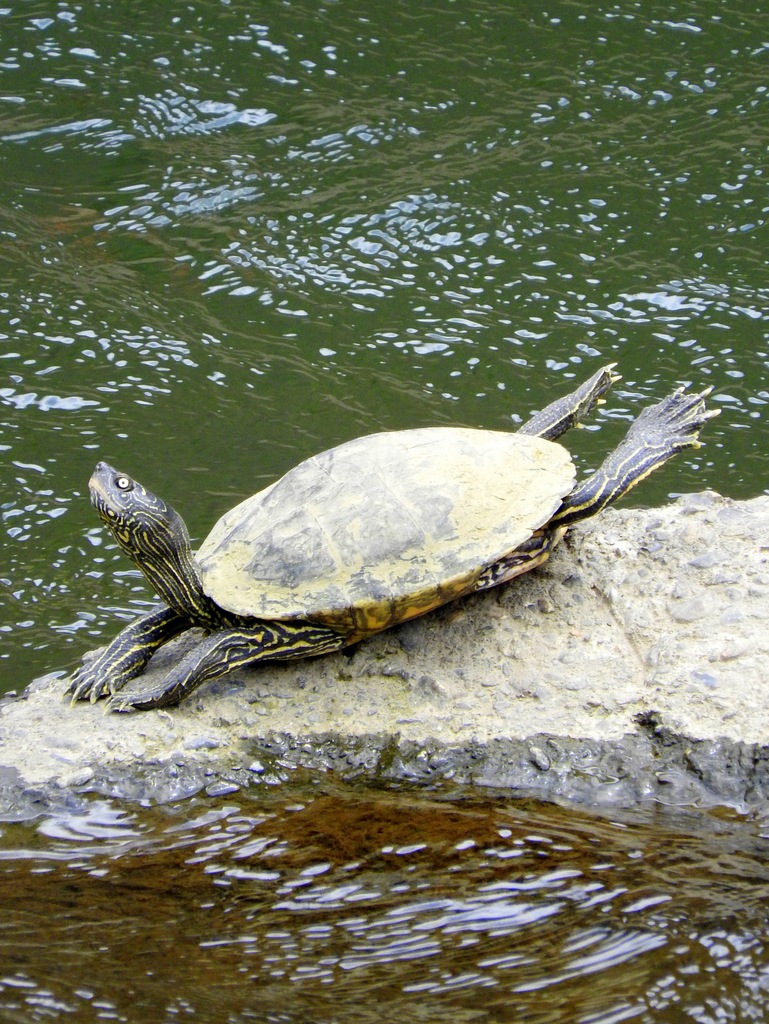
(232,237)
(235,234)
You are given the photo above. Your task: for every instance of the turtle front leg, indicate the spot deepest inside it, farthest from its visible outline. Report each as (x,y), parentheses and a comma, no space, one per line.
(230,649)
(108,670)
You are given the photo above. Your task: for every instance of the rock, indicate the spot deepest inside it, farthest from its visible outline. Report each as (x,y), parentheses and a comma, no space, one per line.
(631,667)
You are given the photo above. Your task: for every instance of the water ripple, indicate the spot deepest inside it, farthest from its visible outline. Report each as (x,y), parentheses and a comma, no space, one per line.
(414,897)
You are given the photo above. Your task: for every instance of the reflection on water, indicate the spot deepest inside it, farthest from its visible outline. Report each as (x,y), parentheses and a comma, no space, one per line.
(328,904)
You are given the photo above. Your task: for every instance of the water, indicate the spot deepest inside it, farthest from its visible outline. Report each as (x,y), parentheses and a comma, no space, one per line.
(316,902)
(232,240)
(231,237)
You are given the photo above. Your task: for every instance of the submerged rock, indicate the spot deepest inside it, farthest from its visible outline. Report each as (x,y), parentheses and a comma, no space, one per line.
(630,668)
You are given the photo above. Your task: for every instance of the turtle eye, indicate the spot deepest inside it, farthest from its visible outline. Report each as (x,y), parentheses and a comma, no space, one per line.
(124,483)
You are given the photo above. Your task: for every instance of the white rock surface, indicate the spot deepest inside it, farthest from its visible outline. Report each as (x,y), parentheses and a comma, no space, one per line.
(631,667)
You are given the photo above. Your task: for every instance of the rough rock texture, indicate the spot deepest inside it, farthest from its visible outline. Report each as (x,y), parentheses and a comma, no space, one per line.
(630,668)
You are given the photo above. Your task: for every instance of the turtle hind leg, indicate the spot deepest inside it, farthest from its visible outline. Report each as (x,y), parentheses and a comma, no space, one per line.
(226,650)
(659,433)
(556,418)
(108,670)
(528,555)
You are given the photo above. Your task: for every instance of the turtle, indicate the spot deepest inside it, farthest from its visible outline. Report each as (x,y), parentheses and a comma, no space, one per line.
(362,537)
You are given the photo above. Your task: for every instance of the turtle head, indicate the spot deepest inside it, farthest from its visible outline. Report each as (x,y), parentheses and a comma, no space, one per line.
(153,535)
(143,525)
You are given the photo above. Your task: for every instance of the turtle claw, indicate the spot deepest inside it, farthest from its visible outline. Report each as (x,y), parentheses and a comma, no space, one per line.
(126,703)
(85,684)
(90,682)
(117,703)
(80,688)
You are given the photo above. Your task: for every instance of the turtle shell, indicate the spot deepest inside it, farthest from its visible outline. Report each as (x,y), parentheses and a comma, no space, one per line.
(383,528)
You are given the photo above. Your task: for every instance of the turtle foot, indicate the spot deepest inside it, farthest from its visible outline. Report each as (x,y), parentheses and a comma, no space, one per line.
(675,422)
(108,670)
(93,679)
